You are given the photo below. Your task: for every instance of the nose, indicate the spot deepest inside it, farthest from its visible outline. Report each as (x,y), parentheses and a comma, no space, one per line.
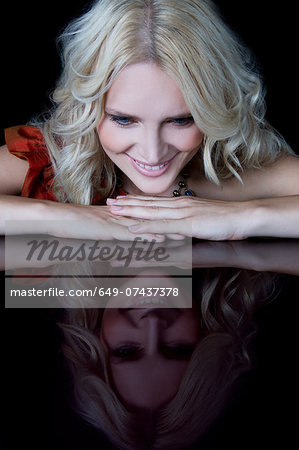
(153,321)
(164,316)
(152,148)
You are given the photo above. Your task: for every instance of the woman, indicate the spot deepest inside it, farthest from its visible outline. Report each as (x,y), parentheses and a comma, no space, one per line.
(157,99)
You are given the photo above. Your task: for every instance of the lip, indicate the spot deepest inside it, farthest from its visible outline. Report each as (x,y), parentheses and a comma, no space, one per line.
(143,302)
(151,172)
(151,302)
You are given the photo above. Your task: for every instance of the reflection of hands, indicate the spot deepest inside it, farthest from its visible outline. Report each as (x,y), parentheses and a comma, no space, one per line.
(260,255)
(41,252)
(184,216)
(269,255)
(178,253)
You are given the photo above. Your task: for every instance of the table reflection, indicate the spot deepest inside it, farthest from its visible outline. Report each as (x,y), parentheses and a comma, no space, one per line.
(156,375)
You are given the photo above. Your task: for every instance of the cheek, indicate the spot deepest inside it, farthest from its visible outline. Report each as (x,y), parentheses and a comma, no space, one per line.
(114,329)
(112,138)
(187,140)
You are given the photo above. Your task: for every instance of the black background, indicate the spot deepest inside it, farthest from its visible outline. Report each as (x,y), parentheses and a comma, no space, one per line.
(32,390)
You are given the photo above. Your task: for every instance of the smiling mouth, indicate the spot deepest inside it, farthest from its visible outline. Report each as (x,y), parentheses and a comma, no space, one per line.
(147,167)
(151,169)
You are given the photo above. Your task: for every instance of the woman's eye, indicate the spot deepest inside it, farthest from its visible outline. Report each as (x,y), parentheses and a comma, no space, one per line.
(125,351)
(121,120)
(181,121)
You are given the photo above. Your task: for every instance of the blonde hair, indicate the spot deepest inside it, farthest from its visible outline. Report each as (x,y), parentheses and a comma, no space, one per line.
(227,300)
(189,41)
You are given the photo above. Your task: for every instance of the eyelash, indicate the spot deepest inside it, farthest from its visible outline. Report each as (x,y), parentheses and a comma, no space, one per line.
(126,351)
(172,352)
(180,122)
(118,119)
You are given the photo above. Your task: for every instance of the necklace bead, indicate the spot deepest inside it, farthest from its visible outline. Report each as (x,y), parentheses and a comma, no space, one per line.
(183,185)
(189,193)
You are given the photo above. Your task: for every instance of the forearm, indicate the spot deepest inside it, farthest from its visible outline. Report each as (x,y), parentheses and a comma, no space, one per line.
(21,215)
(34,215)
(15,209)
(272,217)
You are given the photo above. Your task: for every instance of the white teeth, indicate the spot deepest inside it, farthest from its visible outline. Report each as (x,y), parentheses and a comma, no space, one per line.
(150,167)
(152,300)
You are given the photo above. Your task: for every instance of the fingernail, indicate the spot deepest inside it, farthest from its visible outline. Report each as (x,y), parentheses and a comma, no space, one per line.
(110,201)
(115,207)
(136,227)
(116,263)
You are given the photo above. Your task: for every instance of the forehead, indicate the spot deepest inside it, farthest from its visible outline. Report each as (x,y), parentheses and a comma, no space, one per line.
(144,88)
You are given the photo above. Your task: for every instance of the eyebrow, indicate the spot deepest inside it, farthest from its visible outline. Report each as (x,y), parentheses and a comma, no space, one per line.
(115,112)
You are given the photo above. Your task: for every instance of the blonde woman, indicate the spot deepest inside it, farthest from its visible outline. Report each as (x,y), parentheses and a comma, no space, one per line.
(158,130)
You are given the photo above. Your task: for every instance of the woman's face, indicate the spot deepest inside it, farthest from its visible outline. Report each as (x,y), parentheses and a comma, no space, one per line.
(148,351)
(147,129)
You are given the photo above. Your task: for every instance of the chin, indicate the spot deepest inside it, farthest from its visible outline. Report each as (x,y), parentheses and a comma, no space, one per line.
(154,190)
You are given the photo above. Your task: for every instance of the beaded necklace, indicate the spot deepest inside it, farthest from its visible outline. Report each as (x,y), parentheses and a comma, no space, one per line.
(183,185)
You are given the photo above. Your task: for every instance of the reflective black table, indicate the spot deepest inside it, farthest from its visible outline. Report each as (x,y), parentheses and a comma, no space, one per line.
(182,345)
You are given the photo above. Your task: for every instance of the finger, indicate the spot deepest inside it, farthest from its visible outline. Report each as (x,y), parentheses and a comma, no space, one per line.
(130,236)
(176,237)
(165,202)
(178,227)
(142,197)
(125,221)
(152,212)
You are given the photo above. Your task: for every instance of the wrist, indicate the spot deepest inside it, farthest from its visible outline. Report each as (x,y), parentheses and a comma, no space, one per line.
(253,219)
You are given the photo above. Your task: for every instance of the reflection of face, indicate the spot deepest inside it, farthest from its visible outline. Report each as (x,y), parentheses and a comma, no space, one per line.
(147,122)
(148,352)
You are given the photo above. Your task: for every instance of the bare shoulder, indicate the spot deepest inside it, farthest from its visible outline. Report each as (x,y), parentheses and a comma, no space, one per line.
(285,163)
(278,179)
(12,172)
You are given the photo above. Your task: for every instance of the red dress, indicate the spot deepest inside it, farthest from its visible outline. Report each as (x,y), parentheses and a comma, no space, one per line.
(27,143)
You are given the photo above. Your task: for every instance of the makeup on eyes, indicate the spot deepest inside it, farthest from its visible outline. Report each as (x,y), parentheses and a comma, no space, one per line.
(132,351)
(125,120)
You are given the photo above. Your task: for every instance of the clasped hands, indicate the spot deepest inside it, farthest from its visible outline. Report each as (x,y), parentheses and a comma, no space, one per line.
(179,217)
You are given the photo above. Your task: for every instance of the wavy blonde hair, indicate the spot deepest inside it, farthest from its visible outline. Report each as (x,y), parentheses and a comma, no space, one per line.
(188,40)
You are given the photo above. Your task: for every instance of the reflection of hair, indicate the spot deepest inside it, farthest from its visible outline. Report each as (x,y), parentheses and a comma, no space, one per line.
(227,300)
(190,42)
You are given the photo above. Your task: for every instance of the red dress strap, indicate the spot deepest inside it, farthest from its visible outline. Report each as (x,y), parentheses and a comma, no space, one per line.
(27,143)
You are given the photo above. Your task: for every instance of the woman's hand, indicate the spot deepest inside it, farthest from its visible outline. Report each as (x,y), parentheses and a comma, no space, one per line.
(21,215)
(186,216)
(96,222)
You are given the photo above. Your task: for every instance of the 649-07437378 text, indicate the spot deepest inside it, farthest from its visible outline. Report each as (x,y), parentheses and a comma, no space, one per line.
(97,291)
